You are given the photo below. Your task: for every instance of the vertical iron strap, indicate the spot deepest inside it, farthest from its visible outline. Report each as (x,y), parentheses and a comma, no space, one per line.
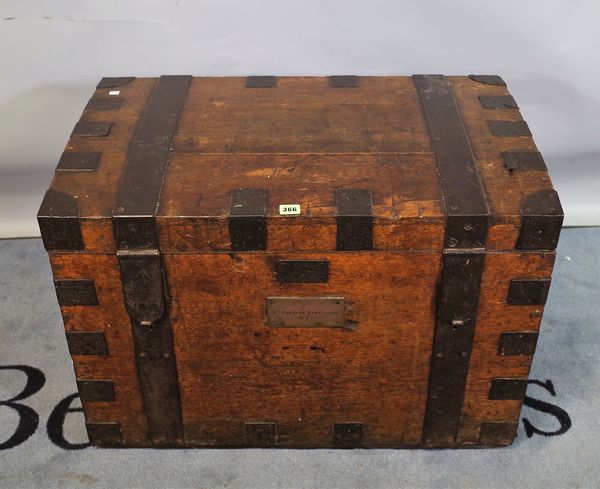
(463,261)
(141,183)
(142,274)
(454,330)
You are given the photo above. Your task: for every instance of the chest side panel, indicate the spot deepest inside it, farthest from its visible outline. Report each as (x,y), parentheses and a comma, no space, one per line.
(513,294)
(101,344)
(235,369)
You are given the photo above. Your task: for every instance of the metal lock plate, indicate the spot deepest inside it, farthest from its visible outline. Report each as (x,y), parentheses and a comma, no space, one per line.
(306,312)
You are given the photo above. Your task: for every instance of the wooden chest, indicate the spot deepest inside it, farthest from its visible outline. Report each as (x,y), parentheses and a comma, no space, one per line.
(301,262)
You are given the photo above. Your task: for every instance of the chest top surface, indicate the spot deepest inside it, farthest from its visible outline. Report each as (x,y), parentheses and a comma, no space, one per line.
(424,150)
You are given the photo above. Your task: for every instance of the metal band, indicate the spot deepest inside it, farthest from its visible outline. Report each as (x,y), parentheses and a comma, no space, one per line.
(517,343)
(59,223)
(260,434)
(104,103)
(142,278)
(507,389)
(488,79)
(92,129)
(498,102)
(139,189)
(70,161)
(112,82)
(497,434)
(530,292)
(344,81)
(105,434)
(541,221)
(525,160)
(144,286)
(76,292)
(145,300)
(463,260)
(248,219)
(302,271)
(87,343)
(261,81)
(348,435)
(509,128)
(354,219)
(455,326)
(466,205)
(96,390)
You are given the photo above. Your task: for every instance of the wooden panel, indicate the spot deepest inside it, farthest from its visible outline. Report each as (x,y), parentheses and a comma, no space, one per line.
(201,185)
(110,317)
(95,190)
(300,234)
(406,195)
(234,369)
(495,317)
(505,190)
(302,115)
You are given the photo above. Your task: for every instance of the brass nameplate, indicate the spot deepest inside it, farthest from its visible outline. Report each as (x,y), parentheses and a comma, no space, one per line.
(306,312)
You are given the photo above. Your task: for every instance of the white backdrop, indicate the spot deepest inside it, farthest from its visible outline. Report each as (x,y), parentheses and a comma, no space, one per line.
(53,53)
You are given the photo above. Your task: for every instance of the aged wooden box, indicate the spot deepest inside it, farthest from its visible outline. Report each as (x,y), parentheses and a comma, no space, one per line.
(301,262)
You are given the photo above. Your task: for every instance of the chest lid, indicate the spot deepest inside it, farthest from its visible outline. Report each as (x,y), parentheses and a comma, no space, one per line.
(186,164)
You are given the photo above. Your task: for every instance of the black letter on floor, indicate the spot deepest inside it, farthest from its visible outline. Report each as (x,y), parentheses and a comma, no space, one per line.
(545,407)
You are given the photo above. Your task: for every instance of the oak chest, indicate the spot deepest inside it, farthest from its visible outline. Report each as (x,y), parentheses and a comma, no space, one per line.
(301,262)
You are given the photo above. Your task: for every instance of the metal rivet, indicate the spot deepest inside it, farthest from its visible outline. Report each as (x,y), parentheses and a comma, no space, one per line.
(452,242)
(457,322)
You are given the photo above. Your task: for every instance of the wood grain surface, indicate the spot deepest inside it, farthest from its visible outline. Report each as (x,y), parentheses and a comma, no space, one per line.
(505,190)
(110,317)
(494,317)
(233,368)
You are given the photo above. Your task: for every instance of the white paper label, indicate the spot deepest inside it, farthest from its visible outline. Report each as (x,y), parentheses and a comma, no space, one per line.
(114,92)
(289,209)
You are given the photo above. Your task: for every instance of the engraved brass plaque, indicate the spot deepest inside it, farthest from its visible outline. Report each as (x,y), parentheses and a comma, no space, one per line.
(306,312)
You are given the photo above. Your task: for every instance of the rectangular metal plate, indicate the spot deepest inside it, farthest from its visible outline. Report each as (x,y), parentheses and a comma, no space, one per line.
(92,129)
(530,292)
(306,312)
(523,160)
(507,389)
(72,161)
(96,390)
(343,81)
(76,292)
(87,343)
(509,128)
(302,271)
(517,343)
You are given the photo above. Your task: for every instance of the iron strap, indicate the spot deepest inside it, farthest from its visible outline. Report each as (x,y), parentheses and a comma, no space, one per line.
(463,261)
(142,274)
(141,183)
(466,206)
